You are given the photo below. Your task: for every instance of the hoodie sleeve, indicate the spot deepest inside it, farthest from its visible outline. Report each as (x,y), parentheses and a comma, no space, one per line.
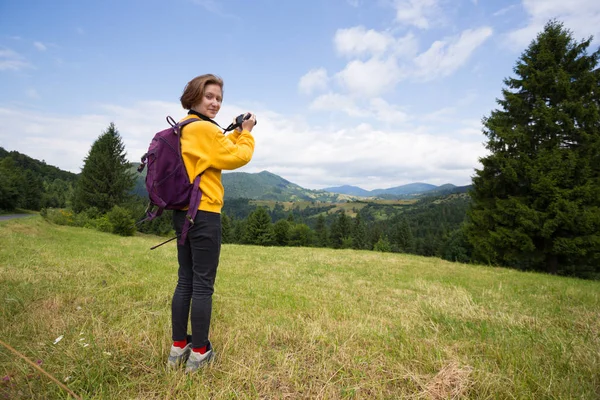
(233,136)
(225,154)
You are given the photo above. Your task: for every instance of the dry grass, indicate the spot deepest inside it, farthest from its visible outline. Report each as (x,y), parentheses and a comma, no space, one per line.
(451,382)
(289,323)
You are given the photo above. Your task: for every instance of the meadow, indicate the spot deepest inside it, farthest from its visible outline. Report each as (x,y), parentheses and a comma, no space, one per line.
(93,311)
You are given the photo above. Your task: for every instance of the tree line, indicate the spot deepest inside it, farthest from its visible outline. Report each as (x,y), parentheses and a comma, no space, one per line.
(30,184)
(429,227)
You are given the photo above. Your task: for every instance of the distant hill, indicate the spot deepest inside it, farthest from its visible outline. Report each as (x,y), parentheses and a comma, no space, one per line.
(348,190)
(268,186)
(446,190)
(259,186)
(411,190)
(40,168)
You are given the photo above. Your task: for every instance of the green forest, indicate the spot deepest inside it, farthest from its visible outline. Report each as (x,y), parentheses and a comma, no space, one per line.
(534,204)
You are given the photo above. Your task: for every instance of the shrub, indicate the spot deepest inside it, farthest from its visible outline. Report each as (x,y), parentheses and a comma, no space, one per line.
(383,245)
(59,216)
(81,219)
(121,220)
(102,224)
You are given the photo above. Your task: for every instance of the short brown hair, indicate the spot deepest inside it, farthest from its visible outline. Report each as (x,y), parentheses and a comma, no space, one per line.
(194,90)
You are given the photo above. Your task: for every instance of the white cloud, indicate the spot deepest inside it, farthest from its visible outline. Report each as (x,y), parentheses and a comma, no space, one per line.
(418,13)
(580,16)
(370,78)
(377,108)
(40,46)
(11,60)
(406,46)
(446,56)
(309,155)
(313,80)
(385,112)
(336,102)
(391,61)
(358,41)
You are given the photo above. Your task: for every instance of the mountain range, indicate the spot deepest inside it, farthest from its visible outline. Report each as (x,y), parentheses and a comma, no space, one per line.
(409,190)
(268,186)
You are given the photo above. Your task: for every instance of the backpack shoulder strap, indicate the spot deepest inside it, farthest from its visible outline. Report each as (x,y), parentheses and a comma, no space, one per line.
(192,210)
(187,121)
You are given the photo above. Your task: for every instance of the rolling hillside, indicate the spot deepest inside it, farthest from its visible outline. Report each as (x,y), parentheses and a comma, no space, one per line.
(260,186)
(268,186)
(409,191)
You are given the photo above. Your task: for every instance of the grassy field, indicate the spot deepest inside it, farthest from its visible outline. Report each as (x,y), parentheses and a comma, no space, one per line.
(292,323)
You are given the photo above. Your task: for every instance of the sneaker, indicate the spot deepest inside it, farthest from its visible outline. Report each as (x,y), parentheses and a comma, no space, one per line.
(197,360)
(178,356)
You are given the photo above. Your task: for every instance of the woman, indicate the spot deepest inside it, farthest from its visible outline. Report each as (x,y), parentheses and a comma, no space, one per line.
(207,151)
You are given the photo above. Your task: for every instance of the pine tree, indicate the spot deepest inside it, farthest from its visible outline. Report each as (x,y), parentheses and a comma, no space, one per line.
(281,232)
(340,230)
(375,232)
(359,234)
(536,201)
(106,178)
(239,231)
(10,178)
(31,191)
(321,232)
(301,235)
(259,229)
(401,236)
(226,229)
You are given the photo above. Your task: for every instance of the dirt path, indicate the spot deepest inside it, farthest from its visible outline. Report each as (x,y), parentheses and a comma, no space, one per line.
(11,216)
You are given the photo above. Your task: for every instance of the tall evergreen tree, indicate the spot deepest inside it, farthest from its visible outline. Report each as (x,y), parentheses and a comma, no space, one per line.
(281,232)
(401,235)
(226,229)
(340,230)
(374,233)
(536,201)
(106,178)
(239,231)
(301,235)
(259,229)
(359,234)
(10,178)
(321,232)
(31,191)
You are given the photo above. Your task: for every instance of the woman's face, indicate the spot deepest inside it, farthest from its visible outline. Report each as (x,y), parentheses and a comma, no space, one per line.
(211,101)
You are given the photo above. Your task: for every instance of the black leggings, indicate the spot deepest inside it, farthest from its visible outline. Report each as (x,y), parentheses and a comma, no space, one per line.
(198,260)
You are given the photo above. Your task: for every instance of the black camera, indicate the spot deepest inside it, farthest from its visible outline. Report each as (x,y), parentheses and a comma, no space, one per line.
(242,117)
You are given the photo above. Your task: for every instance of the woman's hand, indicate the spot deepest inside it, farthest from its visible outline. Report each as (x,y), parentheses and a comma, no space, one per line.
(249,123)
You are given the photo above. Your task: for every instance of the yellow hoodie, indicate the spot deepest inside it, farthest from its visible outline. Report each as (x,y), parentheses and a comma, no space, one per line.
(207,151)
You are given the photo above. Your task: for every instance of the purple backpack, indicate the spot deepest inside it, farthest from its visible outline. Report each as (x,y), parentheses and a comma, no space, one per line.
(167,180)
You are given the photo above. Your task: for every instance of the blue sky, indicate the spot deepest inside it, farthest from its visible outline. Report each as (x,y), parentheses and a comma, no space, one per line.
(369,93)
